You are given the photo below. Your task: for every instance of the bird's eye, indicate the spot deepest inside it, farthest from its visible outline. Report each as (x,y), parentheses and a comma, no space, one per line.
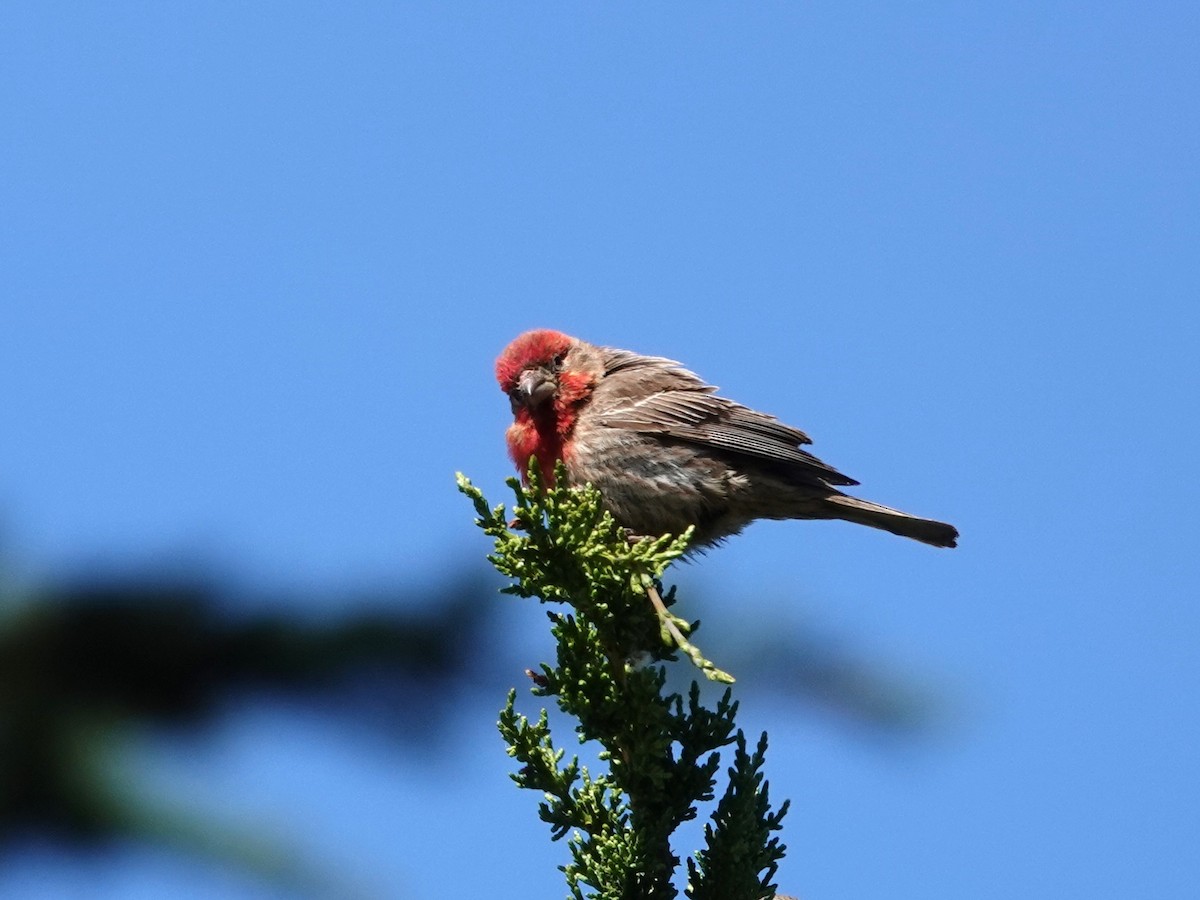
(556,364)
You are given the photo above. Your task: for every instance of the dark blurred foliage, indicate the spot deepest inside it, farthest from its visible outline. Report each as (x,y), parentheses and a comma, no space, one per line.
(82,662)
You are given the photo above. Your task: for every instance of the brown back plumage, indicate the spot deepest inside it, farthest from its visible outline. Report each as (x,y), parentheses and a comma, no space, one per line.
(653,395)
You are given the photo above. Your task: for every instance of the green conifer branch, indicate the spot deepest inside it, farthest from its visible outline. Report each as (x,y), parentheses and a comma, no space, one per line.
(661,750)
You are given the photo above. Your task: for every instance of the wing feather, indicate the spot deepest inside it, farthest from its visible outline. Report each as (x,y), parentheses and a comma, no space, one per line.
(653,395)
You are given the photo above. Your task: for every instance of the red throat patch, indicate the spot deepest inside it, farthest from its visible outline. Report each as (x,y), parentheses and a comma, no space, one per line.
(546,433)
(527,438)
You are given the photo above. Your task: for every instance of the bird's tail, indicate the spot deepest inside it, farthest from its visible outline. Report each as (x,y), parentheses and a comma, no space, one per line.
(864,512)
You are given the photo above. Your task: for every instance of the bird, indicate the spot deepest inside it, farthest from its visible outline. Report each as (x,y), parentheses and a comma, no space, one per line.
(666,451)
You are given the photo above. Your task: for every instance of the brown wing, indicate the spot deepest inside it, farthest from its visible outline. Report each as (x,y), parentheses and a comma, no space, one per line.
(652,395)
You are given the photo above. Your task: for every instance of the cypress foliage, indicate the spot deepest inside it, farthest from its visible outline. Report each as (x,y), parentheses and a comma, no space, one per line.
(661,751)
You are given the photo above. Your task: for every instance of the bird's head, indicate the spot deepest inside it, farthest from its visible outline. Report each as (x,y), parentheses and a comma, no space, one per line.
(546,371)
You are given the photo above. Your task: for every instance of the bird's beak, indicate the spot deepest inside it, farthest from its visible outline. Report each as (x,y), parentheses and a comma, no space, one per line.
(535,387)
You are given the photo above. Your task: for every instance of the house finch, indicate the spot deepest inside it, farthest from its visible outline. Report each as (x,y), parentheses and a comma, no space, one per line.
(665,451)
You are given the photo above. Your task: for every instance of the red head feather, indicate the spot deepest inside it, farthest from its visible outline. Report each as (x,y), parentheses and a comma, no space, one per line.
(530,349)
(543,432)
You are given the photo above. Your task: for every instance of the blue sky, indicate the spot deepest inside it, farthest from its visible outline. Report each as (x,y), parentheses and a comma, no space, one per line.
(256,263)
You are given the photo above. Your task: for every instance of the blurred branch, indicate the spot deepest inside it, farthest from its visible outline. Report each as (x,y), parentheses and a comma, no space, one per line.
(82,667)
